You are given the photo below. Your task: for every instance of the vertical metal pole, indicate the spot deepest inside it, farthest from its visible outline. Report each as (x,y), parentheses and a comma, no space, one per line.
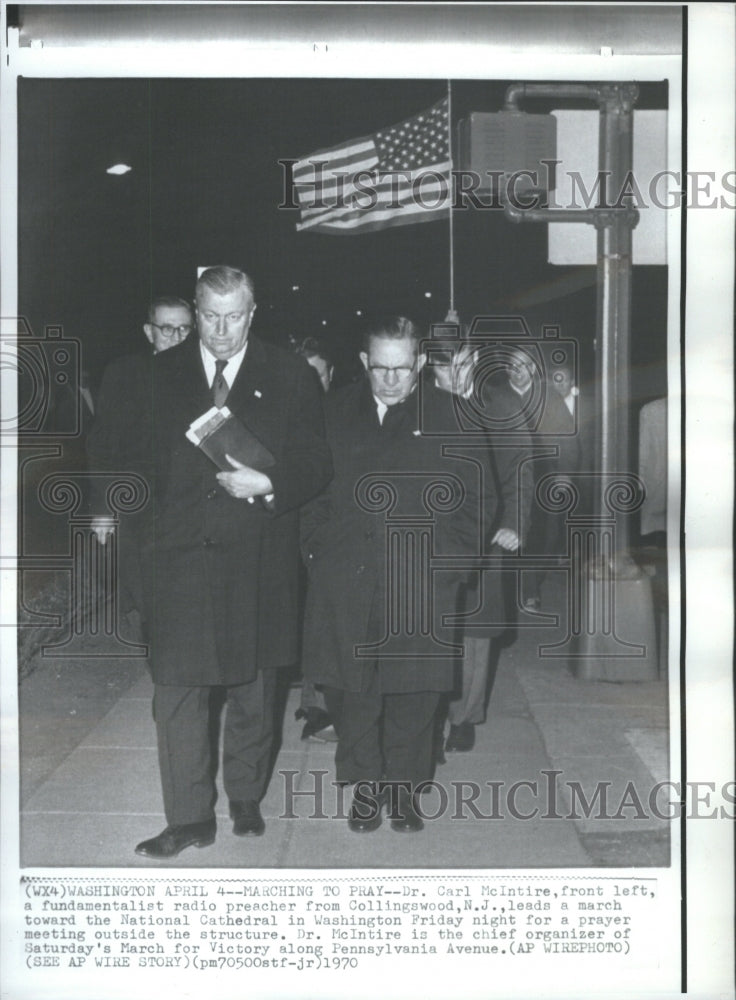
(452,314)
(610,597)
(614,291)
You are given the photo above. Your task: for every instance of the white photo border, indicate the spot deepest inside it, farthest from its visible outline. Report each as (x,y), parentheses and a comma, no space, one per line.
(700,359)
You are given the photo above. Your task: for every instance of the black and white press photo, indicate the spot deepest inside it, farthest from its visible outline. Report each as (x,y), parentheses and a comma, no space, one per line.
(365,430)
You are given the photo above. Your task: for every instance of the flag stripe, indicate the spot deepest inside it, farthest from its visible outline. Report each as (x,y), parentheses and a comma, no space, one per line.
(345,180)
(388,194)
(334,188)
(344,154)
(399,175)
(405,207)
(398,190)
(343,217)
(364,222)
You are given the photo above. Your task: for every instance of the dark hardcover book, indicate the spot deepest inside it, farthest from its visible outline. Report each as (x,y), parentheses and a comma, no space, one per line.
(218,433)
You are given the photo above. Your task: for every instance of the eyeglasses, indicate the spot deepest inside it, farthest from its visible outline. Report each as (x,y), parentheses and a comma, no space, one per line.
(168,331)
(401,371)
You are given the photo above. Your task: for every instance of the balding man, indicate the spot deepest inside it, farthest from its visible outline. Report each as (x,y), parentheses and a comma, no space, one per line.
(221,551)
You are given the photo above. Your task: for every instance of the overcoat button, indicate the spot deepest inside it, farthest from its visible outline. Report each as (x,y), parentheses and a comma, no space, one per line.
(208,543)
(360,569)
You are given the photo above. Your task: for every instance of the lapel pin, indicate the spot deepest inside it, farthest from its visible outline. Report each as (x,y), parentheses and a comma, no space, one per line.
(416,433)
(257,393)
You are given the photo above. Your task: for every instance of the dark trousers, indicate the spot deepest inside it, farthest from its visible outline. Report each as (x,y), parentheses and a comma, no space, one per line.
(382,736)
(182,717)
(546,536)
(470,704)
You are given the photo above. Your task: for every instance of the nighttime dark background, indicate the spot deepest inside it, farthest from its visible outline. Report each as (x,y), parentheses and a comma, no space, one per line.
(205,189)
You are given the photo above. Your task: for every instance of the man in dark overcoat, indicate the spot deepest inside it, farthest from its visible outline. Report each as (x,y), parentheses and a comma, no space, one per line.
(220,549)
(557,449)
(384,546)
(169,321)
(481,420)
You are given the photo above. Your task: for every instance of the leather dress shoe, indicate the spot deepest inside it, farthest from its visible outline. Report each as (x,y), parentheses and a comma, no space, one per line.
(248,819)
(404,815)
(461,738)
(318,725)
(174,839)
(365,810)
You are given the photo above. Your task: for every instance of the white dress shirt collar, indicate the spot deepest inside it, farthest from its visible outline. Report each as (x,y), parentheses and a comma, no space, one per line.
(521,392)
(230,370)
(380,409)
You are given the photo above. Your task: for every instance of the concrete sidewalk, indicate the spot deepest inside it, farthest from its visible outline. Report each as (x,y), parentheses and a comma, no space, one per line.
(104,797)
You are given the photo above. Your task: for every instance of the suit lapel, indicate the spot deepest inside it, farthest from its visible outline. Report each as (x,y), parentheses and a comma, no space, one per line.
(190,380)
(252,372)
(254,396)
(367,411)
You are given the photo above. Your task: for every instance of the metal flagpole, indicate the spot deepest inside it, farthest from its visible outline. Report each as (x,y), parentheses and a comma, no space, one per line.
(452,316)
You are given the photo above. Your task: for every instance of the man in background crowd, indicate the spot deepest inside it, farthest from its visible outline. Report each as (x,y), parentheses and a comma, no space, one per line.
(453,363)
(557,449)
(169,322)
(562,382)
(316,353)
(313,707)
(653,472)
(653,511)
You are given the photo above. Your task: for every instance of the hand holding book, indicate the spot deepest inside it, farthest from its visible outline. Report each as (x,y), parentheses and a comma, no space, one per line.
(220,435)
(237,452)
(244,482)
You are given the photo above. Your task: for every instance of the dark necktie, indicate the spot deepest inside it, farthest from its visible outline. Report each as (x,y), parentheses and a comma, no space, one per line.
(393,417)
(220,387)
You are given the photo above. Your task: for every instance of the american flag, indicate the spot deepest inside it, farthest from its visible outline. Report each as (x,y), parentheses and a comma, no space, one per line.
(395,177)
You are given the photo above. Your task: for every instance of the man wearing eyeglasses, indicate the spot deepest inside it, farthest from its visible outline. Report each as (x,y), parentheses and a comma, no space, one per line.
(486,416)
(376,635)
(170,321)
